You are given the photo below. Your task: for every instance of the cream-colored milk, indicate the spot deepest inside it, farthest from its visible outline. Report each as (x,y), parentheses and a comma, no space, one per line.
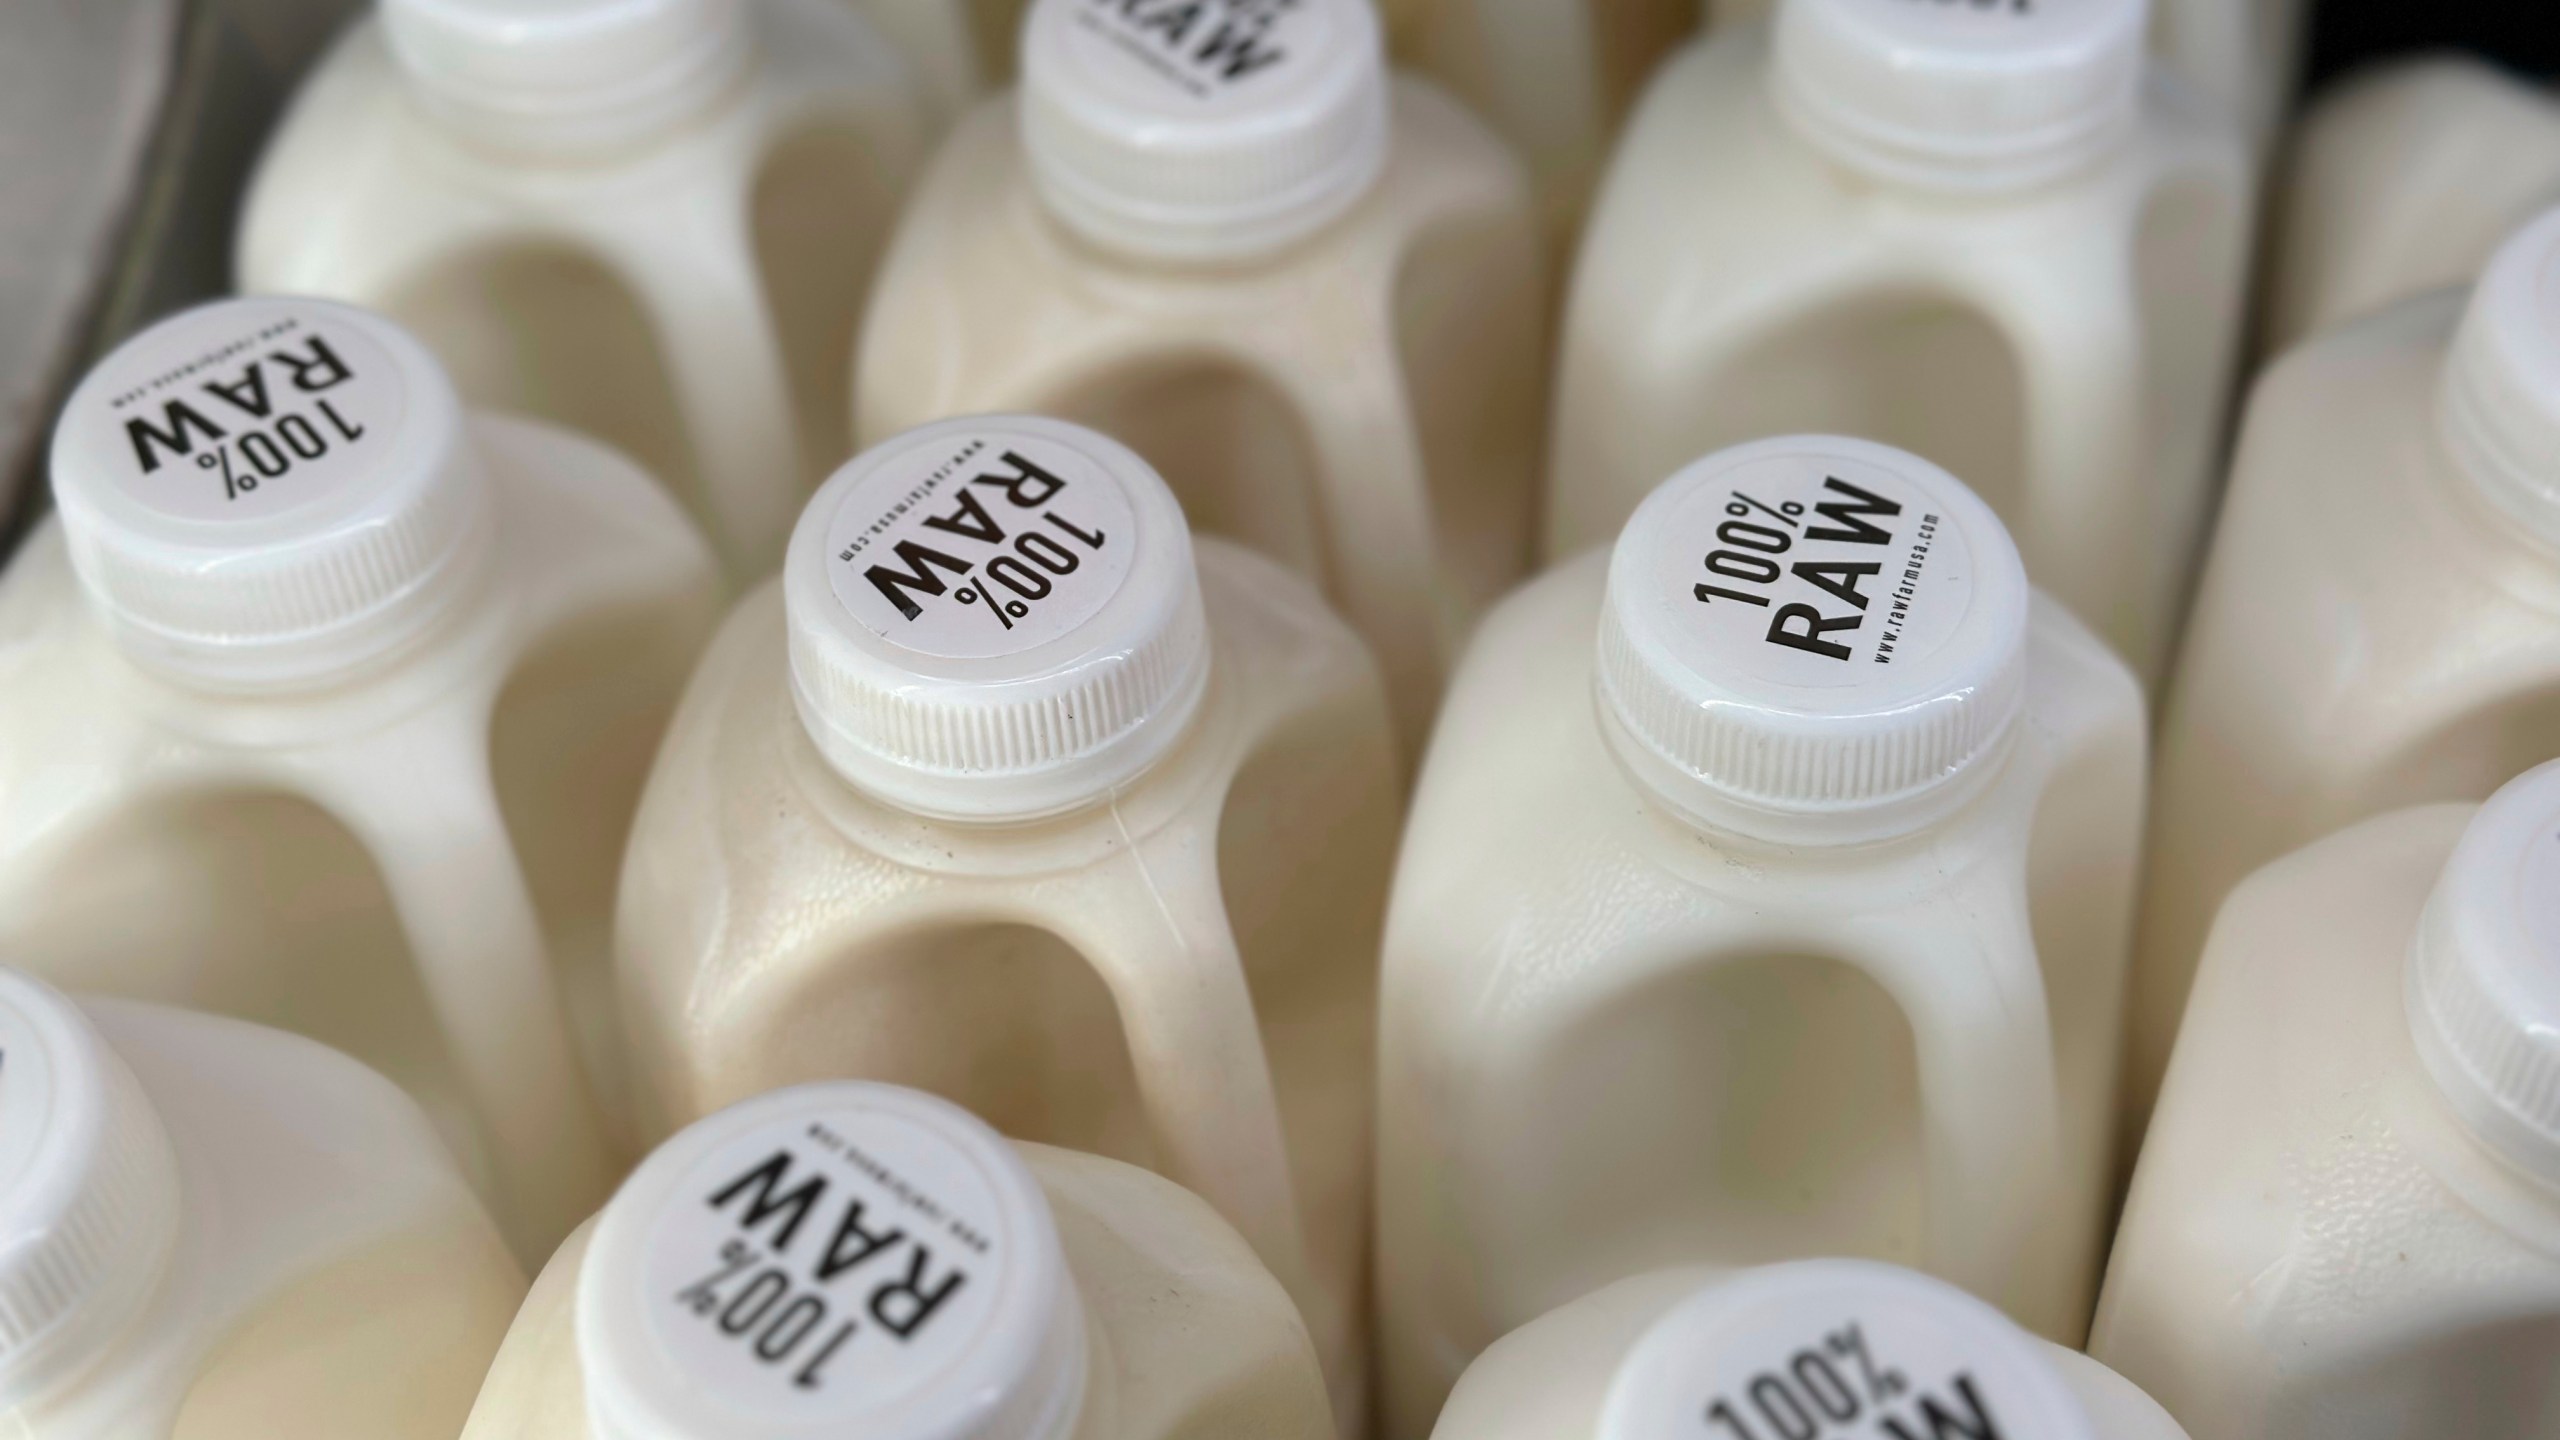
(1364,404)
(2316,1244)
(331,1275)
(1555,1378)
(689,295)
(1180,974)
(2377,626)
(2403,180)
(412,860)
(1615,1037)
(2063,343)
(1191,1338)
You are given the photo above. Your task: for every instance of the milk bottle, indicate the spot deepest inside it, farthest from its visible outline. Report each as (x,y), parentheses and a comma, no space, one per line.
(952,48)
(652,220)
(2379,622)
(1000,795)
(1309,293)
(1976,233)
(1765,896)
(1829,1347)
(328,708)
(217,1231)
(847,1258)
(2404,180)
(2346,1221)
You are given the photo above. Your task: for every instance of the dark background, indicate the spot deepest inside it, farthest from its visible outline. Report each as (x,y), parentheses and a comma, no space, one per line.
(2521,34)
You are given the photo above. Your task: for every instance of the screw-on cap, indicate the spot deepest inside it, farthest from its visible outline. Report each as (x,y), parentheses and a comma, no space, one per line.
(2499,408)
(566,76)
(2484,973)
(1845,1345)
(1812,639)
(994,617)
(1961,94)
(1205,131)
(834,1259)
(88,1191)
(269,492)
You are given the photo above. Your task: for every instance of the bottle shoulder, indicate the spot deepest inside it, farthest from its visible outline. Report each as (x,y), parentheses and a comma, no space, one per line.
(290,1157)
(2298,1137)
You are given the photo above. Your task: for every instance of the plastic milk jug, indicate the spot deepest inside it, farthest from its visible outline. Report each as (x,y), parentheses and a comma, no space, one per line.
(330,705)
(2379,622)
(953,48)
(848,1258)
(1765,895)
(1307,291)
(2346,1220)
(217,1231)
(651,220)
(1010,792)
(1973,232)
(2404,180)
(1835,1348)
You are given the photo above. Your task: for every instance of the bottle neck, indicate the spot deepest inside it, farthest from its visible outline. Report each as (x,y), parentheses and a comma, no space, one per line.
(584,124)
(2498,436)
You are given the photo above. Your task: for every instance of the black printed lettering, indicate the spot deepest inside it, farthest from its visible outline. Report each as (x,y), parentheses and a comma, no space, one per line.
(1846,516)
(763,1180)
(895,583)
(1802,627)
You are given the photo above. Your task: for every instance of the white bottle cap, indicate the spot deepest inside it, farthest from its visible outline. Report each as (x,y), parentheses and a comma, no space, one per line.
(1961,94)
(2484,973)
(994,618)
(566,77)
(88,1191)
(2499,407)
(829,1260)
(269,492)
(1837,1347)
(1202,132)
(1812,640)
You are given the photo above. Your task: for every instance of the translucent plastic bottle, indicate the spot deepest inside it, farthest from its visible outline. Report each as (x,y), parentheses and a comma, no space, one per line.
(2379,623)
(1765,896)
(652,220)
(2346,1221)
(1309,293)
(1845,1347)
(1000,795)
(217,1231)
(2403,180)
(327,707)
(1984,234)
(855,1259)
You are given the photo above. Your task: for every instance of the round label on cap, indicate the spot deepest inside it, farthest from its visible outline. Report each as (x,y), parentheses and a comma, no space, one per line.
(1808,569)
(1852,1358)
(1211,53)
(828,1265)
(240,411)
(980,545)
(2538,893)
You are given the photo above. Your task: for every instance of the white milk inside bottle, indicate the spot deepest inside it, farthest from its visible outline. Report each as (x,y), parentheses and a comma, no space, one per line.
(1010,793)
(1796,838)
(1807,1347)
(1975,233)
(2379,622)
(2404,180)
(215,1231)
(857,1259)
(651,220)
(1308,291)
(329,706)
(2346,1220)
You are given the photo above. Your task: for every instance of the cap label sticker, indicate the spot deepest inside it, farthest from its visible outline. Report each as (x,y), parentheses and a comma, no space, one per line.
(1814,570)
(1842,1359)
(828,1266)
(989,546)
(243,412)
(1207,50)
